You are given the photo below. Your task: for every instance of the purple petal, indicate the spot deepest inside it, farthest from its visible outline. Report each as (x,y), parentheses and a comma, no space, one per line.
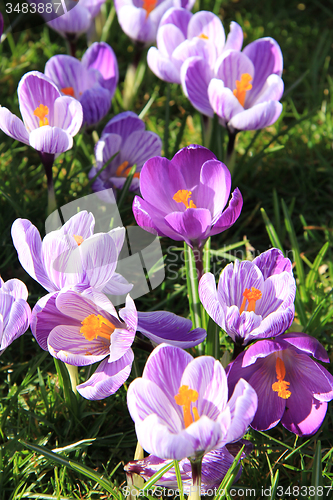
(93,6)
(195,47)
(278,291)
(107,378)
(178,17)
(195,156)
(195,77)
(243,406)
(235,278)
(208,24)
(307,344)
(162,66)
(209,298)
(13,126)
(139,147)
(230,215)
(96,103)
(117,285)
(193,224)
(15,321)
(52,140)
(141,211)
(272,262)
(100,56)
(81,224)
(231,66)
(272,90)
(223,101)
(304,415)
(65,71)
(68,114)
(124,124)
(105,149)
(135,23)
(259,116)
(75,21)
(235,38)
(14,287)
(168,38)
(262,349)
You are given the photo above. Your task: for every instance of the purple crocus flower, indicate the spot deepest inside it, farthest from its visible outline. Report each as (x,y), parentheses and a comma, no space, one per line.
(84,328)
(180,405)
(291,386)
(182,34)
(124,134)
(92,81)
(72,255)
(215,465)
(139,19)
(243,89)
(253,300)
(50,120)
(14,311)
(184,198)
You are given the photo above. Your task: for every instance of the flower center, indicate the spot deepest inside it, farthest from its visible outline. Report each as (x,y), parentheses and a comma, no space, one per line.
(242,86)
(78,239)
(182,196)
(184,398)
(123,170)
(95,325)
(281,386)
(203,36)
(41,112)
(149,5)
(251,296)
(68,91)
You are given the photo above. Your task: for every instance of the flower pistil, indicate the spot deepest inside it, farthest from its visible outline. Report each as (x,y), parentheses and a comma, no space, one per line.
(281,386)
(41,112)
(182,196)
(148,6)
(68,91)
(242,86)
(95,325)
(251,296)
(184,398)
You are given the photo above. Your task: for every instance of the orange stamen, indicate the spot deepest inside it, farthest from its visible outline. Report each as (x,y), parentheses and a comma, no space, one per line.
(203,36)
(94,326)
(78,239)
(242,86)
(149,5)
(182,196)
(184,398)
(123,170)
(281,386)
(41,113)
(68,91)
(251,296)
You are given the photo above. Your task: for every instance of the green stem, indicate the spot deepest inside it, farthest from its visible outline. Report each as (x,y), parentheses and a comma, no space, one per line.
(192,286)
(195,491)
(167,119)
(73,375)
(212,347)
(47,161)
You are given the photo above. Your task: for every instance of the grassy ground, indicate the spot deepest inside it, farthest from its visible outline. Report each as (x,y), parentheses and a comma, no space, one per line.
(285,175)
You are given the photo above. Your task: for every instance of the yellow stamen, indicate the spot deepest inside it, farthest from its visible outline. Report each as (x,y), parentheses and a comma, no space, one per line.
(184,398)
(203,36)
(182,196)
(251,296)
(149,5)
(78,239)
(94,326)
(242,86)
(123,170)
(281,386)
(68,91)
(41,113)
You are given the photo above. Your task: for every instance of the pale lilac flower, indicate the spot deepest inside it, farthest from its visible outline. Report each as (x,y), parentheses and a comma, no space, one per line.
(184,198)
(180,405)
(253,300)
(72,255)
(291,386)
(182,34)
(50,120)
(124,136)
(92,81)
(14,311)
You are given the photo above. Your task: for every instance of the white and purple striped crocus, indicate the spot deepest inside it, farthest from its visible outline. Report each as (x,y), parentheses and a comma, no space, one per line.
(72,255)
(291,386)
(180,405)
(182,34)
(50,120)
(184,198)
(253,300)
(243,88)
(124,136)
(84,328)
(14,311)
(92,81)
(139,19)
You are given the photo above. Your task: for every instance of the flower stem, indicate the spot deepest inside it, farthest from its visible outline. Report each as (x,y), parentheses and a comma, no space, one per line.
(47,161)
(238,348)
(230,158)
(73,375)
(134,76)
(166,125)
(192,286)
(195,491)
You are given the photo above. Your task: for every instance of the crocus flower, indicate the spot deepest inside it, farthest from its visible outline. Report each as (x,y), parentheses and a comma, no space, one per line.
(184,198)
(92,81)
(84,328)
(243,89)
(253,300)
(182,34)
(291,386)
(180,405)
(50,120)
(215,465)
(140,19)
(71,255)
(14,311)
(124,134)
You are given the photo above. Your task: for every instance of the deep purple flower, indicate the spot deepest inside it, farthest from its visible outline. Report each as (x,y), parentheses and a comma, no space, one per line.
(182,34)
(139,19)
(14,311)
(253,300)
(291,386)
(72,255)
(184,198)
(243,89)
(1,25)
(50,120)
(92,81)
(215,465)
(180,405)
(124,134)
(83,328)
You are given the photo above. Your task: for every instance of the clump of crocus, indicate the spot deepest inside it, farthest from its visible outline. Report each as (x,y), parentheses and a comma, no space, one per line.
(182,34)
(84,328)
(124,136)
(140,19)
(14,311)
(253,300)
(291,386)
(92,81)
(184,198)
